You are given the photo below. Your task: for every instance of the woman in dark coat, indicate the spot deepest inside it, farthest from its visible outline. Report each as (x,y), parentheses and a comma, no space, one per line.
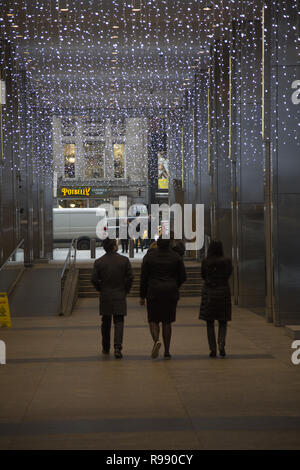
(216,298)
(162,274)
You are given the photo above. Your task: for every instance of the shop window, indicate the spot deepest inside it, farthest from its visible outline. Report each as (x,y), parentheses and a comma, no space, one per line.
(69,158)
(98,202)
(94,160)
(72,203)
(119,164)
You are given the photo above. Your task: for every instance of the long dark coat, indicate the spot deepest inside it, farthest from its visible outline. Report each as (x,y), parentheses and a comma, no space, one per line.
(216,297)
(162,274)
(112,277)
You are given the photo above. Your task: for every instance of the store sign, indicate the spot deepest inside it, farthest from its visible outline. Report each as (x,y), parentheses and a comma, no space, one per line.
(87,191)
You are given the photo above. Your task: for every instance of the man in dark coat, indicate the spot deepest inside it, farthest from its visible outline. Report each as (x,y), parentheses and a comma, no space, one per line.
(162,274)
(112,277)
(216,297)
(140,236)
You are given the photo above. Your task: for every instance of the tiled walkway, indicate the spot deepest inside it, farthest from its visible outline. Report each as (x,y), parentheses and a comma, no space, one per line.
(58,392)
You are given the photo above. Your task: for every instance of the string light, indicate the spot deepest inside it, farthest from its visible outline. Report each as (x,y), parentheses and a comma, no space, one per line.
(156,54)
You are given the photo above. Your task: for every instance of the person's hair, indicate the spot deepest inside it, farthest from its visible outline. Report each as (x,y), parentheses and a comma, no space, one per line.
(109,244)
(215,249)
(163,243)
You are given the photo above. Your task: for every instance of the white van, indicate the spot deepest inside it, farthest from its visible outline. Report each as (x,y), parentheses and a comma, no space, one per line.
(78,223)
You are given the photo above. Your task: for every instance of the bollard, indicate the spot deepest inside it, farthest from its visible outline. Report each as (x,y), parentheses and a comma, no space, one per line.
(131,248)
(93,248)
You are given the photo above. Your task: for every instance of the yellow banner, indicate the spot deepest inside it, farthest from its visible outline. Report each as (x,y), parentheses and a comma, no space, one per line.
(163,183)
(4,310)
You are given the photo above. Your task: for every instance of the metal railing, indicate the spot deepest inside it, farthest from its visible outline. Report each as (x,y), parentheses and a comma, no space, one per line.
(66,277)
(12,255)
(12,269)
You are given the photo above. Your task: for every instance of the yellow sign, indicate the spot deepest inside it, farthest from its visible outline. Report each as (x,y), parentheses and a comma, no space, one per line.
(4,310)
(163,183)
(76,192)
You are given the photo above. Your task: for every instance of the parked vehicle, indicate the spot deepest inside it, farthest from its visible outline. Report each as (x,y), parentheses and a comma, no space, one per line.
(85,225)
(80,224)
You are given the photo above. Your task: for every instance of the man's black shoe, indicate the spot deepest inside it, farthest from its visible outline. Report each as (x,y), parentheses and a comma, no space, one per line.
(222,352)
(118,354)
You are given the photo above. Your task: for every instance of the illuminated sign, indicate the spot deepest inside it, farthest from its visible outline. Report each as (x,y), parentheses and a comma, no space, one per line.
(74,192)
(163,171)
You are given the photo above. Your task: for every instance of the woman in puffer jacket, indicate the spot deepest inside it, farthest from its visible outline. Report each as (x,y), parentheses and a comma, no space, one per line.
(216,297)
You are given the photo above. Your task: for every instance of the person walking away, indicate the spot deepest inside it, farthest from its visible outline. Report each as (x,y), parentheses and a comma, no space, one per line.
(162,274)
(112,277)
(216,297)
(124,241)
(139,238)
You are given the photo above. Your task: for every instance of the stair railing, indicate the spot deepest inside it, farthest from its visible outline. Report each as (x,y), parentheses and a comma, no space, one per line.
(66,279)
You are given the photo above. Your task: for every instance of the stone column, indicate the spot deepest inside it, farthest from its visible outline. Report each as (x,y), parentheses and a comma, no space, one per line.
(220,163)
(201,144)
(247,162)
(284,169)
(136,149)
(58,153)
(108,152)
(26,183)
(79,151)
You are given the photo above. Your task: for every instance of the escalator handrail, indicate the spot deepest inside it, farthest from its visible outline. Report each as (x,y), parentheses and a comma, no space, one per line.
(11,254)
